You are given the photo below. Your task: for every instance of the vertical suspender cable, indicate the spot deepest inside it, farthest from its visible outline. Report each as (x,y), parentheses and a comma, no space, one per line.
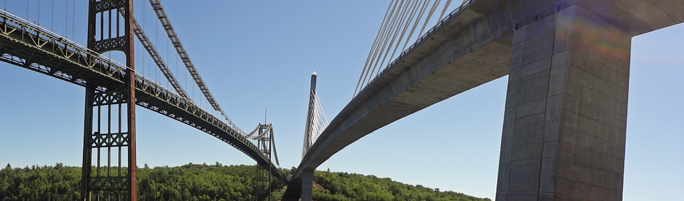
(66,19)
(52,14)
(161,15)
(73,21)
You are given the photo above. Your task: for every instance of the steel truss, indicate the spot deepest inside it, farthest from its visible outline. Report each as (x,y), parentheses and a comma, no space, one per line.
(105,129)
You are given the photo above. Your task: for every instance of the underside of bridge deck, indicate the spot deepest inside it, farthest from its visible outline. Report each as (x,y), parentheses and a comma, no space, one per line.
(568,66)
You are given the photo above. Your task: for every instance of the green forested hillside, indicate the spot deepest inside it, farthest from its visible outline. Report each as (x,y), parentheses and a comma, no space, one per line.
(345,186)
(207,182)
(187,182)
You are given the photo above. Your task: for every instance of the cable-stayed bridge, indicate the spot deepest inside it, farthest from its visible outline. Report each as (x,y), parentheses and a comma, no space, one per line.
(526,58)
(112,82)
(566,106)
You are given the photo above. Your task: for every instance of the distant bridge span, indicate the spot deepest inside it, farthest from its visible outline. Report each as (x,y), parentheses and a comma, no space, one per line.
(566,107)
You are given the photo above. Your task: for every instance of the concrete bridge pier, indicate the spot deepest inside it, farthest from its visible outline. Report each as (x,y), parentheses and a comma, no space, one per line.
(307,185)
(566,110)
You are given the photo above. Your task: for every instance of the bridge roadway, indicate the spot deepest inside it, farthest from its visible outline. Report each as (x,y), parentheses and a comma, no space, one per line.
(32,47)
(488,39)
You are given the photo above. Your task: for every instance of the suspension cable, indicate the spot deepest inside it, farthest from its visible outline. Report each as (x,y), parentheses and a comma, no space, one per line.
(161,15)
(142,37)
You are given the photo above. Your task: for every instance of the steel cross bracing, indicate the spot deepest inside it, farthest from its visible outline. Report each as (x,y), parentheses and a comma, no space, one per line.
(159,10)
(100,38)
(27,45)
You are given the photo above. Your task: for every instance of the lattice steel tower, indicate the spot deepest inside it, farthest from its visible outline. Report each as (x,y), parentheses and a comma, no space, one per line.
(109,126)
(263,174)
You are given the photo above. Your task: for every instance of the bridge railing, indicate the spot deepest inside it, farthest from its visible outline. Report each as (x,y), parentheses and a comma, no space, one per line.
(30,34)
(41,36)
(420,40)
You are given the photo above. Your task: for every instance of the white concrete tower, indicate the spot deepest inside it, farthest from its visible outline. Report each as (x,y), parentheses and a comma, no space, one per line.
(308,130)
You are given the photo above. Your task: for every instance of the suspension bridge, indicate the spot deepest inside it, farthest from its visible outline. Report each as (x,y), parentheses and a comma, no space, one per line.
(114,88)
(542,46)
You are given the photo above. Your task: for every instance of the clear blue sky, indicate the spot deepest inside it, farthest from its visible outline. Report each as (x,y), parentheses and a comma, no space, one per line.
(256,55)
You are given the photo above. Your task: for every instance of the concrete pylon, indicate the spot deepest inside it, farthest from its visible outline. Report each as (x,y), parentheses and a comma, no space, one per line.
(307,175)
(307,185)
(308,135)
(566,110)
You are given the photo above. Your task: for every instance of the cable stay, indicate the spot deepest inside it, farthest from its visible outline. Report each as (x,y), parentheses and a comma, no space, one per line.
(400,17)
(142,37)
(320,121)
(161,15)
(317,123)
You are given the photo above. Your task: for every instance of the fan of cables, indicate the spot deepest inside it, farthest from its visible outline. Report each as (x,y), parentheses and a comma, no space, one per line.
(401,16)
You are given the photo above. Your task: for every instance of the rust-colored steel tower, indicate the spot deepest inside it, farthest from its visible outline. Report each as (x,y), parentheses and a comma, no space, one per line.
(109,126)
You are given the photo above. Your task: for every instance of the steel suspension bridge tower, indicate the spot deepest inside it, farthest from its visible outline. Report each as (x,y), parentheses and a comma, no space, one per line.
(263,174)
(109,126)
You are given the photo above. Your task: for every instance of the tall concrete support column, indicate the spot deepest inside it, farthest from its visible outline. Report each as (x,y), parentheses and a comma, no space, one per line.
(566,110)
(308,129)
(307,185)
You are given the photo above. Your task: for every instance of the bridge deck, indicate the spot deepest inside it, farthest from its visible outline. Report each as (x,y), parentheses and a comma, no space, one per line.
(470,47)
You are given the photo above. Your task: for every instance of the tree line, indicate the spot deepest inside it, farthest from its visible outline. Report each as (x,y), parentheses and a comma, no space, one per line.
(216,182)
(339,186)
